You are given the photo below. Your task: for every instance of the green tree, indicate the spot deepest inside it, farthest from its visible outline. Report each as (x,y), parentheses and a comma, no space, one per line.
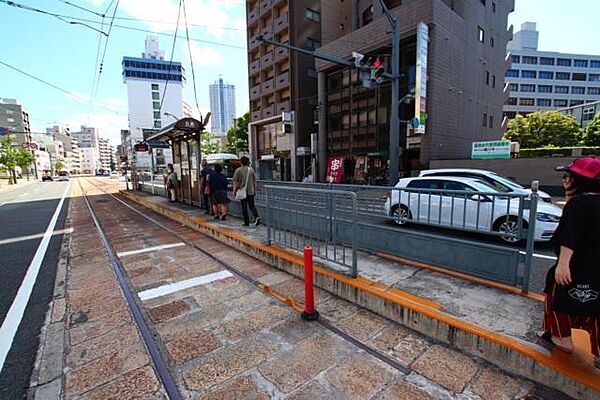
(210,143)
(550,128)
(8,158)
(58,166)
(24,159)
(591,135)
(237,136)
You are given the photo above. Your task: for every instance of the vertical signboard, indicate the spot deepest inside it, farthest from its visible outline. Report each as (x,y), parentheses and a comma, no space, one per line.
(335,169)
(421,77)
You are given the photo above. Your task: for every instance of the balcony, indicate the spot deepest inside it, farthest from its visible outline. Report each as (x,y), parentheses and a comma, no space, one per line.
(253,16)
(255,92)
(283,106)
(266,88)
(255,116)
(265,7)
(267,32)
(253,42)
(254,67)
(266,60)
(281,53)
(268,111)
(282,80)
(280,23)
(276,3)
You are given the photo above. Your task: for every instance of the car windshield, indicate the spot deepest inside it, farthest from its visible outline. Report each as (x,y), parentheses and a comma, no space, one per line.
(507,182)
(62,173)
(484,186)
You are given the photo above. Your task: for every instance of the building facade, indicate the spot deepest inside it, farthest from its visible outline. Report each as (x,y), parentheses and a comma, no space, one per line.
(13,116)
(452,57)
(95,150)
(106,151)
(281,80)
(583,113)
(222,106)
(543,80)
(154,93)
(72,155)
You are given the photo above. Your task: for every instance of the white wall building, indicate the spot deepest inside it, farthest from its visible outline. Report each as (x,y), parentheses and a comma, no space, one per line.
(154,89)
(222,106)
(544,80)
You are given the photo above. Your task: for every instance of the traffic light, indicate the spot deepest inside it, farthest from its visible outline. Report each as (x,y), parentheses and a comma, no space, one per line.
(377,70)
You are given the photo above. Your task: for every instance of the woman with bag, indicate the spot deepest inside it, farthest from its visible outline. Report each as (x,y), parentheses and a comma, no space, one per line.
(170,183)
(244,189)
(573,284)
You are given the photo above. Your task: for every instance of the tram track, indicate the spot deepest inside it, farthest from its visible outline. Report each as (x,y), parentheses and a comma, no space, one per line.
(140,320)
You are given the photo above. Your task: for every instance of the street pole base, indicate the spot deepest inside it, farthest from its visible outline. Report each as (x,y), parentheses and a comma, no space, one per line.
(313,316)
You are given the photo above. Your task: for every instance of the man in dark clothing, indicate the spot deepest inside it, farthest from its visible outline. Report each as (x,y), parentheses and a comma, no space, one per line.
(244,177)
(204,174)
(218,188)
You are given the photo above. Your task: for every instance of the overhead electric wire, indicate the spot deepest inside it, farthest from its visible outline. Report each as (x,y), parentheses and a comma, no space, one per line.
(187,34)
(57,87)
(82,8)
(162,99)
(104,53)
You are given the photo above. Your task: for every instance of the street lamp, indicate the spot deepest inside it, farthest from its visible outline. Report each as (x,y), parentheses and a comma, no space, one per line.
(171,115)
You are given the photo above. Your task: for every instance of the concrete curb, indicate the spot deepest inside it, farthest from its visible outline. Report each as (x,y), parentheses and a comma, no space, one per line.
(521,358)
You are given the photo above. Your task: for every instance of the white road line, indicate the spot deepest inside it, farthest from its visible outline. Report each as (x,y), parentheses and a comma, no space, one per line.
(23,194)
(545,257)
(149,249)
(36,236)
(11,323)
(186,284)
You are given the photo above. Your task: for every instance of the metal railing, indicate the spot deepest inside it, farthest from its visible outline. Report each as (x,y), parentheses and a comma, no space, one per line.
(156,187)
(300,216)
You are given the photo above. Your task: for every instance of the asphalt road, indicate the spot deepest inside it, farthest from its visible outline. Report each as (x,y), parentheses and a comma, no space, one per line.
(25,214)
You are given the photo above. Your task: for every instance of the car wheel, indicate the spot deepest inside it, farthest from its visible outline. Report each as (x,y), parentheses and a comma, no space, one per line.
(510,226)
(401,212)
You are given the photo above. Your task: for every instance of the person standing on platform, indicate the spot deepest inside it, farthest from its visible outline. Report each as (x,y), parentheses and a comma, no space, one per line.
(204,191)
(244,190)
(171,183)
(218,188)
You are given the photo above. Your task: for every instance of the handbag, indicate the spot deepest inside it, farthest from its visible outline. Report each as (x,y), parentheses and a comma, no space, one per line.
(580,298)
(242,193)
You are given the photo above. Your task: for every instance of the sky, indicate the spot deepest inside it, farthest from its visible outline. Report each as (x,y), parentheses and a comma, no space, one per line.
(67,56)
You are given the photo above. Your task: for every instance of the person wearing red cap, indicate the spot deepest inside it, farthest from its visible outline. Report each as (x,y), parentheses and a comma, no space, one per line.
(572,289)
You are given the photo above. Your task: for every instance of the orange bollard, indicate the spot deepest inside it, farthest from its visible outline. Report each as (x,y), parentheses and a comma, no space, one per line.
(309,313)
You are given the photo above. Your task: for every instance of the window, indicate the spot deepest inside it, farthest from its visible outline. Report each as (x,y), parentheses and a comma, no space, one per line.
(546,60)
(580,63)
(493,7)
(544,103)
(575,103)
(512,73)
(516,59)
(154,86)
(563,76)
(367,15)
(312,44)
(485,120)
(578,90)
(594,77)
(560,103)
(527,88)
(156,114)
(9,112)
(528,74)
(9,119)
(513,87)
(155,96)
(593,90)
(491,125)
(157,124)
(526,102)
(595,64)
(481,34)
(512,101)
(546,75)
(588,114)
(493,81)
(156,105)
(563,62)
(579,76)
(313,15)
(529,60)
(491,42)
(487,77)
(561,89)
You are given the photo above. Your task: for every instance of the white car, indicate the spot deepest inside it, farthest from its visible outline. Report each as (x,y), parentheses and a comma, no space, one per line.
(63,176)
(499,182)
(114,174)
(467,203)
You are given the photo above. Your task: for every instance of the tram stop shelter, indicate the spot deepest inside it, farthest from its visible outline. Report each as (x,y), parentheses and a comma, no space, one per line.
(183,137)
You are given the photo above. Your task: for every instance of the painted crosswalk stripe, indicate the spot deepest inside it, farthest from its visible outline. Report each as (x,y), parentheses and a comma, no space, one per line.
(36,236)
(149,249)
(186,284)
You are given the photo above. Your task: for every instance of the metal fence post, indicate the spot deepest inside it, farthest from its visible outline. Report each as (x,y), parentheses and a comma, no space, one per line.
(354,270)
(530,235)
(268,216)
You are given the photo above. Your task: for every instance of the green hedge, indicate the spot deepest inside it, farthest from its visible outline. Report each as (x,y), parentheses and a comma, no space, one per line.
(558,152)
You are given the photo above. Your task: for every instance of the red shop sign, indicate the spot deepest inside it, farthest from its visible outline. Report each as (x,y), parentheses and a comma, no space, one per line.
(335,169)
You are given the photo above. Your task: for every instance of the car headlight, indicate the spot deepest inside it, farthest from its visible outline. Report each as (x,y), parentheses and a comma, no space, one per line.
(543,217)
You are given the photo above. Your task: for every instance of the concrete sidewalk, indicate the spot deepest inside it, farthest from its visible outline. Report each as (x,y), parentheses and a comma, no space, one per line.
(489,321)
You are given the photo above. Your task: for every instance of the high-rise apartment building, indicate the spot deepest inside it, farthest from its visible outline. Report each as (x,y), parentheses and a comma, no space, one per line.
(96,151)
(544,80)
(283,81)
(222,106)
(13,116)
(106,154)
(72,156)
(154,88)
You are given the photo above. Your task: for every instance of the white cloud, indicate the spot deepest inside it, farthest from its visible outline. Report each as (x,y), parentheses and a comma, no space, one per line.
(204,56)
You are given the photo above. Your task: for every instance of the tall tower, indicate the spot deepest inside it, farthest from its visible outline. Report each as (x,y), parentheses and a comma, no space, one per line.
(222,105)
(154,94)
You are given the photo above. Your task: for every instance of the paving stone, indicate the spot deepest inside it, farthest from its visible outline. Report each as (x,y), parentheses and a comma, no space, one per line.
(255,321)
(446,367)
(141,383)
(168,311)
(87,331)
(228,362)
(192,321)
(335,309)
(295,330)
(402,390)
(315,390)
(190,345)
(360,376)
(363,324)
(239,388)
(400,343)
(126,336)
(59,308)
(492,385)
(51,362)
(250,301)
(96,311)
(290,369)
(49,391)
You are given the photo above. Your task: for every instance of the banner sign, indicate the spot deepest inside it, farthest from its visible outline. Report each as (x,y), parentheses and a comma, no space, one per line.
(489,150)
(154,144)
(335,169)
(421,77)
